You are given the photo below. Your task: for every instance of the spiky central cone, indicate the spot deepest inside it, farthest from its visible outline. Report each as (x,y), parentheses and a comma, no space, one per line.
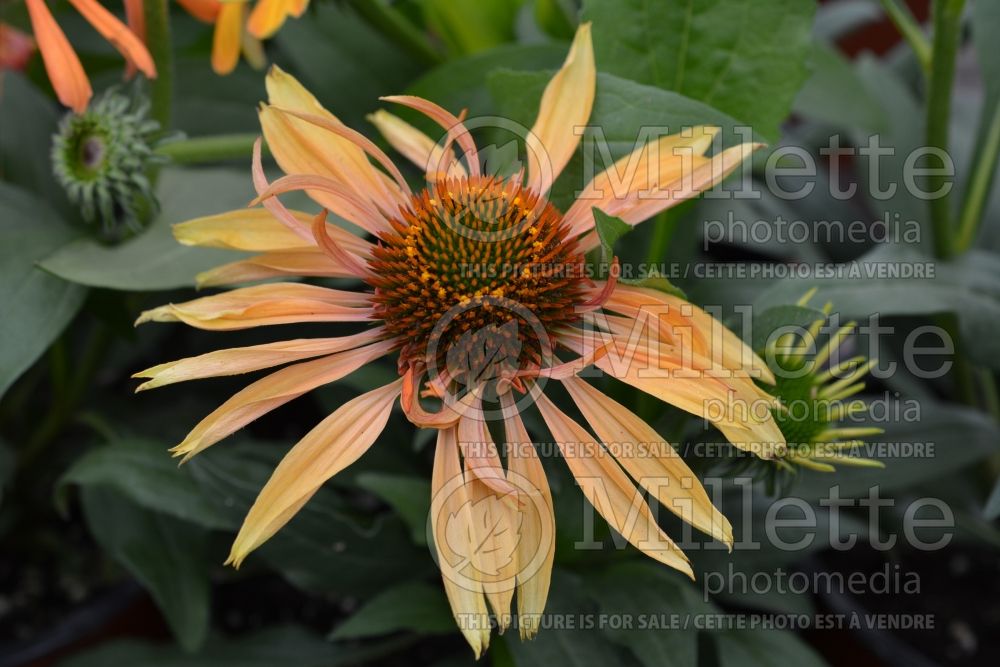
(475,277)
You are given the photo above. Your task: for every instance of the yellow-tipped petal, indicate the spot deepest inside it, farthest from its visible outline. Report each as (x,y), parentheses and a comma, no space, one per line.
(536,548)
(650,460)
(273,390)
(284,264)
(265,305)
(335,443)
(609,489)
(252,229)
(228,37)
(246,359)
(450,505)
(564,110)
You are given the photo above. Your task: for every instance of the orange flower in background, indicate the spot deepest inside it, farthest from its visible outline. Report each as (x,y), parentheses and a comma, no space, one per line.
(478,284)
(16,48)
(61,62)
(238,28)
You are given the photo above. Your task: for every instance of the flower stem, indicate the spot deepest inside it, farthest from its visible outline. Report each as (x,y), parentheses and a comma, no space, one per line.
(157,14)
(209,149)
(907,25)
(947,16)
(398,28)
(978,193)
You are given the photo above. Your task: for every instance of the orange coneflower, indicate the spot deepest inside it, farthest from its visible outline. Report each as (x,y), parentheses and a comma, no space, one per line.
(61,62)
(238,28)
(477,283)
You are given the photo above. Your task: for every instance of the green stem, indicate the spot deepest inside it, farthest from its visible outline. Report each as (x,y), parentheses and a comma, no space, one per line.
(209,149)
(907,25)
(157,13)
(978,193)
(398,28)
(947,16)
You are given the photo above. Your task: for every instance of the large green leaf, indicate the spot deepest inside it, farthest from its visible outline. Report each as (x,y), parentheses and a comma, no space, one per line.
(144,472)
(167,556)
(470,26)
(968,286)
(415,607)
(765,648)
(652,599)
(34,306)
(836,94)
(745,57)
(154,260)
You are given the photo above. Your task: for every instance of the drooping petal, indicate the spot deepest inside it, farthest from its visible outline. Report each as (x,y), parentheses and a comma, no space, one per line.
(61,62)
(254,230)
(649,459)
(437,161)
(253,358)
(118,34)
(272,391)
(664,160)
(228,37)
(335,443)
(495,532)
(264,305)
(281,264)
(451,517)
(735,405)
(609,489)
(688,325)
(482,458)
(564,110)
(536,548)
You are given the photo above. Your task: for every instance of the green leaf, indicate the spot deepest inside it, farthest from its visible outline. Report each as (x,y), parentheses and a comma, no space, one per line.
(409,496)
(835,93)
(415,607)
(609,230)
(273,647)
(343,61)
(470,26)
(154,260)
(462,83)
(745,58)
(34,306)
(968,286)
(646,594)
(166,555)
(145,473)
(556,17)
(765,648)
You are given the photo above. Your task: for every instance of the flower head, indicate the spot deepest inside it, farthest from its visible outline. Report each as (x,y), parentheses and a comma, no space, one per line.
(61,62)
(477,284)
(102,157)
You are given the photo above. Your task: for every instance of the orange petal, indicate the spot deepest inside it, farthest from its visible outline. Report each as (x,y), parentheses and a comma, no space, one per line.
(609,489)
(451,518)
(272,391)
(649,459)
(257,230)
(337,442)
(253,358)
(61,62)
(642,171)
(203,10)
(265,305)
(228,37)
(457,131)
(537,523)
(268,16)
(564,110)
(482,458)
(280,264)
(116,32)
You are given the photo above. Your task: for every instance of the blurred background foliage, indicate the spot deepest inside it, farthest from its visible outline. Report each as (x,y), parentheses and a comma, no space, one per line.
(111,554)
